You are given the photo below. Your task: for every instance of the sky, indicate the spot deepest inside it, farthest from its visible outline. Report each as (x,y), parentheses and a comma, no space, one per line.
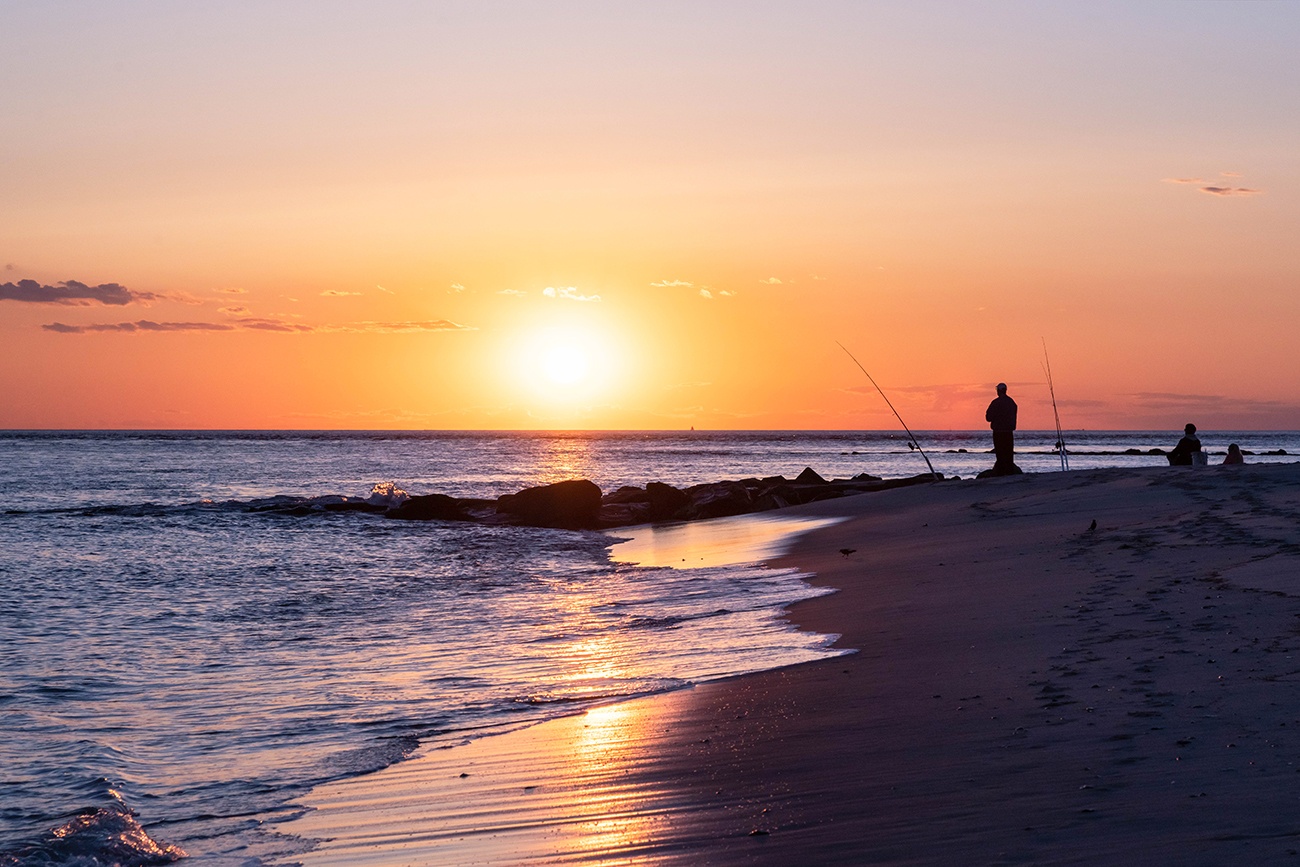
(594,215)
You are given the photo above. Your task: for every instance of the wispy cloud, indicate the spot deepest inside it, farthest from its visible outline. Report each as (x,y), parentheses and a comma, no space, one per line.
(516,293)
(1231,191)
(234,311)
(1216,189)
(772,281)
(663,284)
(385,291)
(233,290)
(568,293)
(256,324)
(141,325)
(456,287)
(337,293)
(705,293)
(72,292)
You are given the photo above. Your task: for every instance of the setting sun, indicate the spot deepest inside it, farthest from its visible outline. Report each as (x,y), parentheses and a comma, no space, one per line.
(571,365)
(565,365)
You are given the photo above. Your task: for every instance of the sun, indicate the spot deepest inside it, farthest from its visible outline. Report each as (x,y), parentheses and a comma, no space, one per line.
(565,363)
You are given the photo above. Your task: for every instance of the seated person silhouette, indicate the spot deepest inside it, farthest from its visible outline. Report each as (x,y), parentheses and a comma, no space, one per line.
(1187,451)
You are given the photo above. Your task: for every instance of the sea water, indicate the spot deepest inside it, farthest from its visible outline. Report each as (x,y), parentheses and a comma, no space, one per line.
(180,658)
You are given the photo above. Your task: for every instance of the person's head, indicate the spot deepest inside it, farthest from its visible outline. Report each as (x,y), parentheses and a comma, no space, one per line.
(1002,388)
(1189,428)
(1234,449)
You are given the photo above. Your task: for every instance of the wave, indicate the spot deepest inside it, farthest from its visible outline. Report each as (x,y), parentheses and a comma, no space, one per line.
(93,837)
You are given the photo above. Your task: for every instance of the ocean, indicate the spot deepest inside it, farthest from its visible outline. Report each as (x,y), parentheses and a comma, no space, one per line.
(181,658)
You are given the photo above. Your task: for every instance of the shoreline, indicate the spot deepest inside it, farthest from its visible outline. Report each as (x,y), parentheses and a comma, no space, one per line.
(1024,690)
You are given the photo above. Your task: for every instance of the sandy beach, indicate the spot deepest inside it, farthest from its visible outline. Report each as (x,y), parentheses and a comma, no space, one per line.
(1026,689)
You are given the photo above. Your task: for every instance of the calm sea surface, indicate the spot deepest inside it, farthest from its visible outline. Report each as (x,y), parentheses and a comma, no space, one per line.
(177,664)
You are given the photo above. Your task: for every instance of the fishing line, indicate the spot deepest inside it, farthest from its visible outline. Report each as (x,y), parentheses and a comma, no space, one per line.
(910,436)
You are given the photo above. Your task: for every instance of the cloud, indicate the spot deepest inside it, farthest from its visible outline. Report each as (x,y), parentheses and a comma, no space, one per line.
(9,266)
(1183,180)
(726,293)
(705,293)
(385,291)
(1230,174)
(816,277)
(259,324)
(772,281)
(337,293)
(670,283)
(72,292)
(233,290)
(568,293)
(517,293)
(1231,191)
(456,287)
(141,325)
(233,311)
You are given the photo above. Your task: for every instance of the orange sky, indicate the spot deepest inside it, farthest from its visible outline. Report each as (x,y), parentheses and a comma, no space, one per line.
(591,215)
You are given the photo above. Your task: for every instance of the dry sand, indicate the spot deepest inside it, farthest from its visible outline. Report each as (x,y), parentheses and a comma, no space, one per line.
(1026,691)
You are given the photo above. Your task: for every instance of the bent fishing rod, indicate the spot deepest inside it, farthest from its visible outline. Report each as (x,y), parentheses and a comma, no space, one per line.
(910,436)
(1051,389)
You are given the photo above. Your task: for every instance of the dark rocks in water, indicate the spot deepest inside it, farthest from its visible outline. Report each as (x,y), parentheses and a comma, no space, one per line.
(1155,451)
(665,500)
(809,476)
(1275,453)
(717,500)
(577,504)
(1132,451)
(569,505)
(429,507)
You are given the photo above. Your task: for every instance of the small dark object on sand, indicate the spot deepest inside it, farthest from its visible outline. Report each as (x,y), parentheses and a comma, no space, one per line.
(1093,525)
(847,551)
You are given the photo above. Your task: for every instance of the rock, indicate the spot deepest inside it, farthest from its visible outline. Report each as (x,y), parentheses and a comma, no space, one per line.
(569,505)
(809,476)
(665,501)
(717,500)
(626,494)
(430,507)
(624,514)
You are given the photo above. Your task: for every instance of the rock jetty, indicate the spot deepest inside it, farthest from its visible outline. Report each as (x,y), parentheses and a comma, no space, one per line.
(578,504)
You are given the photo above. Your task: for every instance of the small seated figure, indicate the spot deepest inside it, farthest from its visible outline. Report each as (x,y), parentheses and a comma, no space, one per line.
(1187,451)
(1234,455)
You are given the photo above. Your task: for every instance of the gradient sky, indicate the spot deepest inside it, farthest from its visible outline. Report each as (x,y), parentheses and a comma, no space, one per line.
(655,215)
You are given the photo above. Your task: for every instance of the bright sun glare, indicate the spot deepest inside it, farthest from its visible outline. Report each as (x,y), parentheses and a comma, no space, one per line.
(566,365)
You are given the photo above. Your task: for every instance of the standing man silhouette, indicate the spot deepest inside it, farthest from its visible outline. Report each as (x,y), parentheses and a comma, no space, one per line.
(1001,416)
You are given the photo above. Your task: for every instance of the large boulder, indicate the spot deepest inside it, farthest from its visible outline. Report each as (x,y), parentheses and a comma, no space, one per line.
(717,500)
(665,501)
(569,505)
(430,507)
(809,476)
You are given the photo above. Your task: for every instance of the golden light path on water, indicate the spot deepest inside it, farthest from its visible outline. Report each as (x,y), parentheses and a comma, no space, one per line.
(719,542)
(572,790)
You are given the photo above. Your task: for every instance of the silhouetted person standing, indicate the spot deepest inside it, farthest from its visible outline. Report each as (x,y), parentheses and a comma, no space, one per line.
(1001,416)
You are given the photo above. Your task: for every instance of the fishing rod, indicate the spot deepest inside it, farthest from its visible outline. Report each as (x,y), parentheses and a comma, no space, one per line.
(1051,389)
(911,438)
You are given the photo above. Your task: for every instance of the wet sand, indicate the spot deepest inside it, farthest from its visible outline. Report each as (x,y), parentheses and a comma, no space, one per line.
(1026,691)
